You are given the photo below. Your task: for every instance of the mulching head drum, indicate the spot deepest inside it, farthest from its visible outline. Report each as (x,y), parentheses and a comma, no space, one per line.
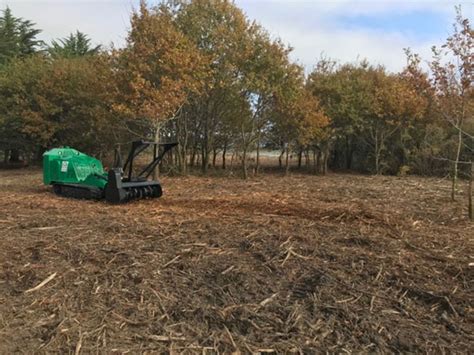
(119,191)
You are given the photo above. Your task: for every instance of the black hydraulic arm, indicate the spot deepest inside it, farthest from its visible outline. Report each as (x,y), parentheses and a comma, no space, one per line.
(117,159)
(146,172)
(137,148)
(140,146)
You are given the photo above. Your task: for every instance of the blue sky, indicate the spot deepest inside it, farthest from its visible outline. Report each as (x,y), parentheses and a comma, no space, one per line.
(346,30)
(420,25)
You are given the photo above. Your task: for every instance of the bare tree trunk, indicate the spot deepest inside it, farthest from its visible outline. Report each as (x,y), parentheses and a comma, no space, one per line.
(319,169)
(183,162)
(184,149)
(470,207)
(192,161)
(232,161)
(205,147)
(315,166)
(244,163)
(214,156)
(156,170)
(456,166)
(325,159)
(348,153)
(14,156)
(182,132)
(245,146)
(224,151)
(325,164)
(287,160)
(300,157)
(170,158)
(377,156)
(257,162)
(204,159)
(280,163)
(377,164)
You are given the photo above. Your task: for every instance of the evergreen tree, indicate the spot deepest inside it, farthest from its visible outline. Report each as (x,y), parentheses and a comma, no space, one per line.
(18,37)
(75,45)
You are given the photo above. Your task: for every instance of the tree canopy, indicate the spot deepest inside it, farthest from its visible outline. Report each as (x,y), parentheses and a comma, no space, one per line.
(75,45)
(201,73)
(18,37)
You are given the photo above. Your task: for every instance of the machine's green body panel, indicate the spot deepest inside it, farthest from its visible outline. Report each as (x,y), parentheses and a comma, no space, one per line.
(69,166)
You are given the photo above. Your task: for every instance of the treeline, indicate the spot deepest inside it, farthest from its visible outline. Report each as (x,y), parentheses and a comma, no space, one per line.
(201,73)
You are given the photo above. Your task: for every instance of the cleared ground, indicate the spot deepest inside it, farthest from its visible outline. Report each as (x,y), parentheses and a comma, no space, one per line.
(341,263)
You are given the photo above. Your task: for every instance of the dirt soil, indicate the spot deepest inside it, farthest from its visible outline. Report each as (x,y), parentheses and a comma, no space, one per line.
(337,264)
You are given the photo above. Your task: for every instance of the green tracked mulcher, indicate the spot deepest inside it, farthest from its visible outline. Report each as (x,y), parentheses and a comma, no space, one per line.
(77,175)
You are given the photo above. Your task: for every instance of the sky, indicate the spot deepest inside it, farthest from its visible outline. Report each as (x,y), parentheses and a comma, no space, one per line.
(344,30)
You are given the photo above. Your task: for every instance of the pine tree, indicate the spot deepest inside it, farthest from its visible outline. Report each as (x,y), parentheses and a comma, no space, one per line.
(18,37)
(75,45)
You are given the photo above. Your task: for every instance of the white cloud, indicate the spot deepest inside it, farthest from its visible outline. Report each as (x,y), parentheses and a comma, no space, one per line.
(360,7)
(104,21)
(385,48)
(310,27)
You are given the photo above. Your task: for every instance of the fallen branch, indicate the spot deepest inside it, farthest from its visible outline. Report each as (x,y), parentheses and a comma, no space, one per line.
(268,300)
(171,261)
(161,338)
(44,282)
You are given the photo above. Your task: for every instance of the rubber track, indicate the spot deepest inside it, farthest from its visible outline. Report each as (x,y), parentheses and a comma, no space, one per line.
(78,192)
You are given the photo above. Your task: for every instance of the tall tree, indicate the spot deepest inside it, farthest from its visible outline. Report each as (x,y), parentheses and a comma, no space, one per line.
(344,96)
(396,105)
(18,37)
(157,70)
(417,144)
(298,120)
(367,107)
(65,101)
(220,31)
(246,67)
(267,74)
(453,79)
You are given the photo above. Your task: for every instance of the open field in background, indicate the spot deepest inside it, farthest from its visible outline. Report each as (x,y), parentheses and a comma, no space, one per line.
(340,263)
(268,159)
